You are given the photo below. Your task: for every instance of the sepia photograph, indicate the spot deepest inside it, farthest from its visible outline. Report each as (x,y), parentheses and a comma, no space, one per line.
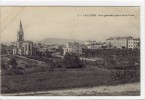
(70,51)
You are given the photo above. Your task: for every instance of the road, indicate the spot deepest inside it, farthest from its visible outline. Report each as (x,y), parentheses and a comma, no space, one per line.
(130,89)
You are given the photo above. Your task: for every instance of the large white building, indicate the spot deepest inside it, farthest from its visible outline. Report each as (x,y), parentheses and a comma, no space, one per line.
(123,42)
(23,47)
(73,48)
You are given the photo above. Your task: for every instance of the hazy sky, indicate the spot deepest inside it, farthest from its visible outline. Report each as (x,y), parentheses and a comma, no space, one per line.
(64,22)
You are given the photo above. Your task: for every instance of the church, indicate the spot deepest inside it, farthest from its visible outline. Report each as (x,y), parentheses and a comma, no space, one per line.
(23,47)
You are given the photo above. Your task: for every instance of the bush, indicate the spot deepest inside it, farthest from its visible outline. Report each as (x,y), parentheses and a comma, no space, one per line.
(13,62)
(125,74)
(71,60)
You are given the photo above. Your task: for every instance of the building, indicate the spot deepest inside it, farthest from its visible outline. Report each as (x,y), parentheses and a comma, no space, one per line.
(123,42)
(89,42)
(73,48)
(94,45)
(137,43)
(23,47)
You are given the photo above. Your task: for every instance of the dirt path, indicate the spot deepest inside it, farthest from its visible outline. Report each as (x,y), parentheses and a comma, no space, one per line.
(124,89)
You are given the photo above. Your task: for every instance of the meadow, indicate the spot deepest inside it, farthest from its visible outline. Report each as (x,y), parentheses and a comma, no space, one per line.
(36,77)
(60,79)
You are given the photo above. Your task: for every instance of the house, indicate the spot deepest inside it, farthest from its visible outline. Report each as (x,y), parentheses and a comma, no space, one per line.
(73,48)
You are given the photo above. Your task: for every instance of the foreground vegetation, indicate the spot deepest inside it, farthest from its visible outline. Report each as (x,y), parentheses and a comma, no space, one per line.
(70,72)
(60,79)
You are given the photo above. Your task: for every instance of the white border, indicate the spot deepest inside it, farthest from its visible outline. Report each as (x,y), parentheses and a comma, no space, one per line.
(87,3)
(71,2)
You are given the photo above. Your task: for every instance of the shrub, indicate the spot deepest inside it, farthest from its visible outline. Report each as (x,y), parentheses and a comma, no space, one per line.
(13,62)
(71,60)
(124,74)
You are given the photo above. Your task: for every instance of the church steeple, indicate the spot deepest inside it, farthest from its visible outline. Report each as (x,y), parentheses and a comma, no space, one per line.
(20,23)
(20,35)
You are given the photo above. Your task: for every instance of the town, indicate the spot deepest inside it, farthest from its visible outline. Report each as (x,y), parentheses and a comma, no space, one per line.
(29,48)
(114,61)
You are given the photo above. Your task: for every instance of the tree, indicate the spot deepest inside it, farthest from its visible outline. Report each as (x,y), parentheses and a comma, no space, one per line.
(60,49)
(40,54)
(123,47)
(14,69)
(138,45)
(48,54)
(71,60)
(3,64)
(110,45)
(13,62)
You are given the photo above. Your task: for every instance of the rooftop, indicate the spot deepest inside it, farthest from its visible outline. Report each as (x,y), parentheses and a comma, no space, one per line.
(70,44)
(112,38)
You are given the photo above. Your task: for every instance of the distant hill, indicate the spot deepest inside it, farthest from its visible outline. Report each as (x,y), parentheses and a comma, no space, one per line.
(50,41)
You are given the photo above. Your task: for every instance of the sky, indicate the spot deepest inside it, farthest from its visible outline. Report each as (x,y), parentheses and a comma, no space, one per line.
(69,22)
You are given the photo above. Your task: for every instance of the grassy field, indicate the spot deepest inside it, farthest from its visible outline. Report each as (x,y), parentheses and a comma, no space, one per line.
(38,77)
(59,79)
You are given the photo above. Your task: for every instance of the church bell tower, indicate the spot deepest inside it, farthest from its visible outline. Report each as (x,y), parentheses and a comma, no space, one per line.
(20,35)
